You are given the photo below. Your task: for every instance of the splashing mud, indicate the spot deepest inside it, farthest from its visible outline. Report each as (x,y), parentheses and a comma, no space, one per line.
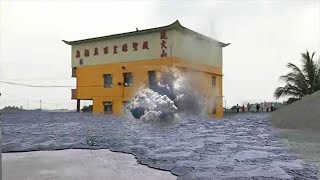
(149,105)
(174,92)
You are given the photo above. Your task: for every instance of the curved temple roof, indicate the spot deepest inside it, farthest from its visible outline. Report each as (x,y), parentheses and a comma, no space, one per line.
(175,25)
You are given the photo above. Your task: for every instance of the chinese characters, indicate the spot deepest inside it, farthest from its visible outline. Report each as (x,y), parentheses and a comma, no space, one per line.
(163,37)
(134,46)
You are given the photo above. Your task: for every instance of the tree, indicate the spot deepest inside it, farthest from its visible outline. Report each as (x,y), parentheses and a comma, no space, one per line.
(300,82)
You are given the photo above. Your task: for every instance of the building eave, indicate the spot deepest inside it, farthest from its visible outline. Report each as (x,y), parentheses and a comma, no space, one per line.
(170,26)
(201,36)
(225,45)
(175,25)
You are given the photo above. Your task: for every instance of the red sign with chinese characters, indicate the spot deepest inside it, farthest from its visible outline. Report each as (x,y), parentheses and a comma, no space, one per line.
(96,53)
(86,53)
(145,45)
(135,46)
(163,37)
(106,50)
(124,48)
(77,54)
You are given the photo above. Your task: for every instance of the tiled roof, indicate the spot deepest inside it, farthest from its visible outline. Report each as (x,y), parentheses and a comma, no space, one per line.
(175,25)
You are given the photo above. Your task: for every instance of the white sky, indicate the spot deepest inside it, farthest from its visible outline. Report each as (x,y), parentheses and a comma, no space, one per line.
(264,36)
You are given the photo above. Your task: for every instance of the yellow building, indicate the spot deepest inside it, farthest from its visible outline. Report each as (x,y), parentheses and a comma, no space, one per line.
(111,69)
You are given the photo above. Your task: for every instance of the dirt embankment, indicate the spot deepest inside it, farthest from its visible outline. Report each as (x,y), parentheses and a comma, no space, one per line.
(303,114)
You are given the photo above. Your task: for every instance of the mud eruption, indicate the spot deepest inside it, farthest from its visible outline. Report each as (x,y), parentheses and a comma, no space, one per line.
(148,105)
(172,93)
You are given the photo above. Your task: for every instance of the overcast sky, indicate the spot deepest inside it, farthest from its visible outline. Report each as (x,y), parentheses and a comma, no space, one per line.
(264,36)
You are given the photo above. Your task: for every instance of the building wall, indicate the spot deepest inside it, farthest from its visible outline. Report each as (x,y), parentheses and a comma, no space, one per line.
(201,76)
(178,44)
(201,58)
(90,83)
(154,51)
(193,49)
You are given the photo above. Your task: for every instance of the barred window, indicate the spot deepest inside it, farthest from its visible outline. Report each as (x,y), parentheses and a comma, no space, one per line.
(152,78)
(107,80)
(214,81)
(128,79)
(214,109)
(107,107)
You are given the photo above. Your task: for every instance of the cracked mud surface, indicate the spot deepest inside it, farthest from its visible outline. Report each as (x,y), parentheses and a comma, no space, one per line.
(243,146)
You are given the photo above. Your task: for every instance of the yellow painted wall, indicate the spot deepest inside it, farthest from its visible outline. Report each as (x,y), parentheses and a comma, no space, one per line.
(201,75)
(90,83)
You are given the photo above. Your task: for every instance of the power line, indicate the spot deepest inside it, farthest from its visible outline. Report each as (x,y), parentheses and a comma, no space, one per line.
(29,101)
(30,85)
(37,79)
(45,86)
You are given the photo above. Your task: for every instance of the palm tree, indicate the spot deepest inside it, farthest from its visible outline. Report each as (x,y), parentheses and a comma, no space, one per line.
(300,82)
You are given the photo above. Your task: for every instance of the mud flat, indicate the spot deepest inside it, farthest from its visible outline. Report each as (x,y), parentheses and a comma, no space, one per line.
(304,143)
(75,164)
(243,146)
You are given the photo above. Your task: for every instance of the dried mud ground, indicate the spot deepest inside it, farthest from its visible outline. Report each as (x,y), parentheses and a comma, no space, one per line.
(306,144)
(243,146)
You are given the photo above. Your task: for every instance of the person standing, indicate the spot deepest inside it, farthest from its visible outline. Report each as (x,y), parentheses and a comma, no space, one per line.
(257,107)
(265,105)
(242,108)
(271,107)
(238,108)
(248,107)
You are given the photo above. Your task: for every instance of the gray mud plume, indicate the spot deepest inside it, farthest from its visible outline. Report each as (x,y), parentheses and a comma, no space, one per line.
(149,105)
(172,94)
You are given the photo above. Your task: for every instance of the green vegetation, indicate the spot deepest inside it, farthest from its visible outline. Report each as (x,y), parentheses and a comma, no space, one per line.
(87,108)
(300,82)
(11,109)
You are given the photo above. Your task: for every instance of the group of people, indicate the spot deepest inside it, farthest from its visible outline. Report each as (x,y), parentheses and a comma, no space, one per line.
(258,107)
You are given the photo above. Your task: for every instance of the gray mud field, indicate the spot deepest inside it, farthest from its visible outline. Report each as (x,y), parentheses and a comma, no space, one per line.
(243,146)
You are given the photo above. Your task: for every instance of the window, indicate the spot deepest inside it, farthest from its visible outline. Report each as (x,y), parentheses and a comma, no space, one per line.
(214,81)
(128,79)
(152,78)
(81,61)
(214,109)
(107,107)
(74,72)
(107,80)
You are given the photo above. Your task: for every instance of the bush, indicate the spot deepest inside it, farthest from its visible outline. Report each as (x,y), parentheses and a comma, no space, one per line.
(87,108)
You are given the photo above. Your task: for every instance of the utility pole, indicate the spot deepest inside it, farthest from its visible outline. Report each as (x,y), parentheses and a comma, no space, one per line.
(0,149)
